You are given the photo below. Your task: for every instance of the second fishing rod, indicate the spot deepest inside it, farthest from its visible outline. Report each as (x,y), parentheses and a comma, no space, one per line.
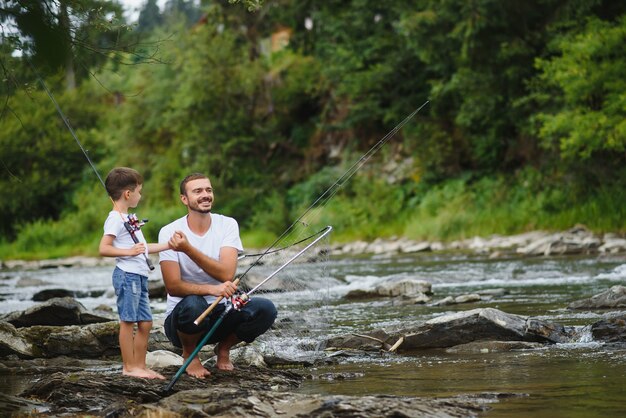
(326,195)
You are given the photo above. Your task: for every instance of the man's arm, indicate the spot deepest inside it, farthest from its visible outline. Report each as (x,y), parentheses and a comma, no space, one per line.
(222,269)
(177,287)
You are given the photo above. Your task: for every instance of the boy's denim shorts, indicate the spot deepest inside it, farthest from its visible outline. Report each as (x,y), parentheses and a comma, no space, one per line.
(131,289)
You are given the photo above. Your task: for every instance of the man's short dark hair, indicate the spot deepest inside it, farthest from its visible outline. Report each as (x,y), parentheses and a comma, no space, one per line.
(120,179)
(190,177)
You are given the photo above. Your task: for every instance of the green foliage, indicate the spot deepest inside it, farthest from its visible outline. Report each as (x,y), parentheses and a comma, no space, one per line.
(461,208)
(589,79)
(525,127)
(41,160)
(370,206)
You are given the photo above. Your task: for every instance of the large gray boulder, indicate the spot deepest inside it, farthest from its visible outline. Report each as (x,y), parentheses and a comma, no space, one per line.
(480,324)
(41,341)
(86,341)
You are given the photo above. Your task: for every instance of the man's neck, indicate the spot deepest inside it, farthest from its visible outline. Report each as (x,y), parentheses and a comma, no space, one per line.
(199,223)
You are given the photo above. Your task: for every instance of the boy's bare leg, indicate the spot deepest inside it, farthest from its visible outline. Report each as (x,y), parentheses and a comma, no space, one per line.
(127,343)
(223,352)
(141,348)
(195,367)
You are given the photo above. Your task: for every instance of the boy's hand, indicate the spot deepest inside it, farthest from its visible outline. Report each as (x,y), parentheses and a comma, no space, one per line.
(179,242)
(138,248)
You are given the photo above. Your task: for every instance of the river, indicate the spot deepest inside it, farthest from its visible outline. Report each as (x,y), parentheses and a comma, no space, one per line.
(581,379)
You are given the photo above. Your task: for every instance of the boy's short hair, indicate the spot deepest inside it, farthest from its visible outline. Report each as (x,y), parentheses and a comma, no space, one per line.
(190,177)
(120,179)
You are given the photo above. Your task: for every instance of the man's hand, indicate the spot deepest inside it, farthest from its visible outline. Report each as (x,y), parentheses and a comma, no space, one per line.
(179,242)
(226,289)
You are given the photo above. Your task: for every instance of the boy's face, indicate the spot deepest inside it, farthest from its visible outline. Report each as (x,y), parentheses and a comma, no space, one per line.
(134,196)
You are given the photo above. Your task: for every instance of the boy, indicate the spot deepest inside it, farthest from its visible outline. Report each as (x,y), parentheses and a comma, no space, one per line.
(130,275)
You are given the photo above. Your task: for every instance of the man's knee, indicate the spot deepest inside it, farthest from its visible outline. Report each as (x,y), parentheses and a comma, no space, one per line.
(263,313)
(187,311)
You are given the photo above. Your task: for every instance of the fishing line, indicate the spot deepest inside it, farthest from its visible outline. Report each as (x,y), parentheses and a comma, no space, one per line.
(132,224)
(281,248)
(334,188)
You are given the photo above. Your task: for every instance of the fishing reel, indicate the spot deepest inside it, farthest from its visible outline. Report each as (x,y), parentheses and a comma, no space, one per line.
(239,301)
(135,223)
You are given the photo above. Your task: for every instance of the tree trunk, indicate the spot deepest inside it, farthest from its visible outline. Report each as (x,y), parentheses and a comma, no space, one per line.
(70,76)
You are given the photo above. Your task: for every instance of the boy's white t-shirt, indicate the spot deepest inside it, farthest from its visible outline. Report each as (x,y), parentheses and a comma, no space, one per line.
(224,232)
(114,225)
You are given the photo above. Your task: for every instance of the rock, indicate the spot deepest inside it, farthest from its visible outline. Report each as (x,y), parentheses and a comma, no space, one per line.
(473,297)
(479,324)
(414,299)
(577,240)
(610,330)
(156,289)
(613,245)
(87,341)
(615,297)
(416,247)
(493,346)
(56,311)
(403,287)
(30,282)
(13,406)
(247,403)
(373,341)
(11,342)
(493,292)
(109,394)
(244,392)
(448,300)
(410,288)
(162,358)
(48,294)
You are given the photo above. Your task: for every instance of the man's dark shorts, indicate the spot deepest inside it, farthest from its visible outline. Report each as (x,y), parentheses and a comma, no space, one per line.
(255,318)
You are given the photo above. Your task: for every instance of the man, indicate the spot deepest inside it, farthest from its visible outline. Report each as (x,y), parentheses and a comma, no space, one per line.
(199,268)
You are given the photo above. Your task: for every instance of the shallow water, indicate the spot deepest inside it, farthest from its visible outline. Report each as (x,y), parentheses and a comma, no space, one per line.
(584,379)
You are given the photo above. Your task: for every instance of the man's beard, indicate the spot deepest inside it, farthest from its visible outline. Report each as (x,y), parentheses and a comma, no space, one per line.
(196,208)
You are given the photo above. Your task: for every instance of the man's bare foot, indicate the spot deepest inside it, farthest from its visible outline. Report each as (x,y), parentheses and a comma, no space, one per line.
(223,358)
(142,373)
(196,369)
(155,375)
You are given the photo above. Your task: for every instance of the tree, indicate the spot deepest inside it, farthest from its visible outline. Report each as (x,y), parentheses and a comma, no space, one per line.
(149,17)
(72,36)
(585,83)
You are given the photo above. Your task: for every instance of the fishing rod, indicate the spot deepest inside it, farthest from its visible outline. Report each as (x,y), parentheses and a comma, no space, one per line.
(236,302)
(331,190)
(334,188)
(132,224)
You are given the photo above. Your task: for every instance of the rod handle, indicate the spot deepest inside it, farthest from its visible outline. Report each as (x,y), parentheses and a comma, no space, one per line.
(131,231)
(208,310)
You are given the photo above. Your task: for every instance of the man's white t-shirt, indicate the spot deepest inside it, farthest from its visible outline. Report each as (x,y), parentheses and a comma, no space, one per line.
(224,232)
(114,225)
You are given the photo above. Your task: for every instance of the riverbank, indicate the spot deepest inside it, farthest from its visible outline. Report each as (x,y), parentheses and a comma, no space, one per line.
(578,240)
